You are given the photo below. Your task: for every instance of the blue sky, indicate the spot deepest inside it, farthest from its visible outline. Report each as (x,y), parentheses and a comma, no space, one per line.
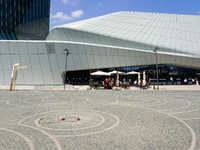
(66,11)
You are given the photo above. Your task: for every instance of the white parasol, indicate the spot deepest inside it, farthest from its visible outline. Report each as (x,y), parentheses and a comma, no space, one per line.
(116,72)
(132,72)
(144,78)
(100,73)
(139,79)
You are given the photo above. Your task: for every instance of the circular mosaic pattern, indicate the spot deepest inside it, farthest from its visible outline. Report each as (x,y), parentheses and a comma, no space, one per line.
(89,123)
(21,141)
(53,121)
(99,120)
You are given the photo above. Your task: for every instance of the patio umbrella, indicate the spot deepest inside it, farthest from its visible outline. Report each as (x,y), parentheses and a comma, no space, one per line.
(138,78)
(117,72)
(144,78)
(132,72)
(101,73)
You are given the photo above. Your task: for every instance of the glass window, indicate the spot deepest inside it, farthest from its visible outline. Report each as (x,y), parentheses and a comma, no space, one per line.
(19,12)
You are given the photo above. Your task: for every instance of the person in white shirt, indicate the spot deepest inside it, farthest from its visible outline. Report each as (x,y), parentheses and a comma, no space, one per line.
(185,80)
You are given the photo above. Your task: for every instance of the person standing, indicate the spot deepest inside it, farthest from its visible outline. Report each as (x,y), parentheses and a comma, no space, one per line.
(171,79)
(124,79)
(185,81)
(197,82)
(129,80)
(149,81)
(135,82)
(141,84)
(193,81)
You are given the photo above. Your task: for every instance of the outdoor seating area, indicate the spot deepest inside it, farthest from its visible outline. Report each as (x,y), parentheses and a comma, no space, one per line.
(108,80)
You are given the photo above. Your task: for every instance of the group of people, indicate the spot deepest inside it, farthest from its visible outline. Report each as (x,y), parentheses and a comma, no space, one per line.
(108,83)
(194,81)
(142,83)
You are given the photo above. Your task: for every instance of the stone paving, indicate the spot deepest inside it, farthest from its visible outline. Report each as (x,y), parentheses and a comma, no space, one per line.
(99,119)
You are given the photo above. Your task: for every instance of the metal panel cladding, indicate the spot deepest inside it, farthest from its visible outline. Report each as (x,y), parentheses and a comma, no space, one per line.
(24,19)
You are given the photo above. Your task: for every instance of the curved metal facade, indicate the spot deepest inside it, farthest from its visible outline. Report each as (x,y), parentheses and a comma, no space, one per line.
(172,33)
(121,39)
(24,19)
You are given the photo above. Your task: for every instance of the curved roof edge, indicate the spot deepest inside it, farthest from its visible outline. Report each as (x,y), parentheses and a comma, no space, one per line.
(141,30)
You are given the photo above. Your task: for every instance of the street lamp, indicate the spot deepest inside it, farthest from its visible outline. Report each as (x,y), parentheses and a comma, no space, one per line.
(155,50)
(154,80)
(67,53)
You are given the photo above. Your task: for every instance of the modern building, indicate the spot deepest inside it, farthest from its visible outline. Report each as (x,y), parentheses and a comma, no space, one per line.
(123,40)
(24,19)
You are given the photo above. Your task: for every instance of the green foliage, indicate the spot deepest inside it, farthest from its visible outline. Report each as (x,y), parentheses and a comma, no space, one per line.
(90,82)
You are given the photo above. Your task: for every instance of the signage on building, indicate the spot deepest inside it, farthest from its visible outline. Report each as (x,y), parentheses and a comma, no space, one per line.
(173,72)
(164,71)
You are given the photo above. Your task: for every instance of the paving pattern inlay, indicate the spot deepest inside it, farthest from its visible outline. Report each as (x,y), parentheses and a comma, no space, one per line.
(99,120)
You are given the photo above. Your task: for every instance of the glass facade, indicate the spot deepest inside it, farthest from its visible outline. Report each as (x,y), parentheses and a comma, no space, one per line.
(168,75)
(165,73)
(24,19)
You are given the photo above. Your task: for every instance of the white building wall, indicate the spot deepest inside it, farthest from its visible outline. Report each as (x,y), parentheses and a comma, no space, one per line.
(35,56)
(45,60)
(120,39)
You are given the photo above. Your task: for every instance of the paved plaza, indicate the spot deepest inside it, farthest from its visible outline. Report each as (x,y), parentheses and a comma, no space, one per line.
(99,119)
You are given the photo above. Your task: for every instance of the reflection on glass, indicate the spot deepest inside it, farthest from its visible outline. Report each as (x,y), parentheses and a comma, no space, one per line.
(24,19)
